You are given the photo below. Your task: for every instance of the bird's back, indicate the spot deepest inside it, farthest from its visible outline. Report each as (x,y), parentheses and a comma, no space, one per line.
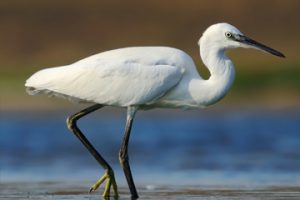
(121,77)
(150,56)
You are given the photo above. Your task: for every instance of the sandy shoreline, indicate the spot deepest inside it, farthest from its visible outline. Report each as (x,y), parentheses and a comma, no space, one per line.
(61,190)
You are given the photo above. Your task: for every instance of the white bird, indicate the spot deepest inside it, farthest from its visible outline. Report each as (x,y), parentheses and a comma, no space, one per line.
(144,78)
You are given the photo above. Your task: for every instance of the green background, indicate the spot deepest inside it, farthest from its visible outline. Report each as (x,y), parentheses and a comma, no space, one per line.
(38,34)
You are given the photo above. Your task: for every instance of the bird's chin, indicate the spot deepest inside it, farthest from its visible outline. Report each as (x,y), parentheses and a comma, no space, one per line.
(246,46)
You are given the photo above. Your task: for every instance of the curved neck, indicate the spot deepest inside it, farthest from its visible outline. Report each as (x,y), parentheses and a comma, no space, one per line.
(222,75)
(215,60)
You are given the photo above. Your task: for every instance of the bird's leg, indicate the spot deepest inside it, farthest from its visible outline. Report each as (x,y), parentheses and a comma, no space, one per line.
(123,155)
(109,174)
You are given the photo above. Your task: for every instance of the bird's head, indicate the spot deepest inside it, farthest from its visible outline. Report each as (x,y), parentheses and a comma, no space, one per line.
(224,36)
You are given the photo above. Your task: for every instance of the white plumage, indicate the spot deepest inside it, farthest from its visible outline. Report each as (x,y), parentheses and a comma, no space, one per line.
(148,77)
(121,77)
(143,78)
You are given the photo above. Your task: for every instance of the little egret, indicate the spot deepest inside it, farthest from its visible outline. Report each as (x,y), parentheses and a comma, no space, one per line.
(143,78)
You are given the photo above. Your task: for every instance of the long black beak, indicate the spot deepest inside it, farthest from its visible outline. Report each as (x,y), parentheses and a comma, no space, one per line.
(248,41)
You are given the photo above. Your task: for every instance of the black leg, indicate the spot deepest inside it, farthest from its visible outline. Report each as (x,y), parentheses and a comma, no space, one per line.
(71,122)
(123,155)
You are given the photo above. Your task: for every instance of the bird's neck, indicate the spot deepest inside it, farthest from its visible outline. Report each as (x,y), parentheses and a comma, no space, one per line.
(222,75)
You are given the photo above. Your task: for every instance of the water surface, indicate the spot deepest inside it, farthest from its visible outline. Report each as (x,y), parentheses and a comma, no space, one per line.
(176,154)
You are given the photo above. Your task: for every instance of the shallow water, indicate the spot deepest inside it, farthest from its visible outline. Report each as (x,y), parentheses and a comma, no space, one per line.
(62,190)
(173,154)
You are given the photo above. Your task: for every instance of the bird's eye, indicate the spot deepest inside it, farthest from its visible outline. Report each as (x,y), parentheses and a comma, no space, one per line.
(228,35)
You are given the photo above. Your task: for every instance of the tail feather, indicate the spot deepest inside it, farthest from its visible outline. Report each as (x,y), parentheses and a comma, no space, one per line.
(43,81)
(51,82)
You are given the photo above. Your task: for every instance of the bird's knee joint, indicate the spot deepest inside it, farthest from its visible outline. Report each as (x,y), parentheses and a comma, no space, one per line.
(123,157)
(71,123)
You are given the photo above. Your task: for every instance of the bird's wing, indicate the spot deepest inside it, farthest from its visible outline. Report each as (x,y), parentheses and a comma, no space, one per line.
(110,83)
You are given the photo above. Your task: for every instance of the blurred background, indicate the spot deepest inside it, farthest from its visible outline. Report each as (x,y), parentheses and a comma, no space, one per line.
(250,136)
(37,34)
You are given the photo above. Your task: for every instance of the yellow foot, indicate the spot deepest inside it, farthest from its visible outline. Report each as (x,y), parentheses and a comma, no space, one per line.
(111,182)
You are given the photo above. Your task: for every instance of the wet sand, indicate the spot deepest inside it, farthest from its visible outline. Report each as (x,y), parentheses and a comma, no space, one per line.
(78,190)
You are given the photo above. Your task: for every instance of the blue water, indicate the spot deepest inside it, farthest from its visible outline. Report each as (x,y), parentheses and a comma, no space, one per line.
(187,147)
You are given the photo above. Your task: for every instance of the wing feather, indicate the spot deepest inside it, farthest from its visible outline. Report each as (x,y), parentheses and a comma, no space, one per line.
(116,84)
